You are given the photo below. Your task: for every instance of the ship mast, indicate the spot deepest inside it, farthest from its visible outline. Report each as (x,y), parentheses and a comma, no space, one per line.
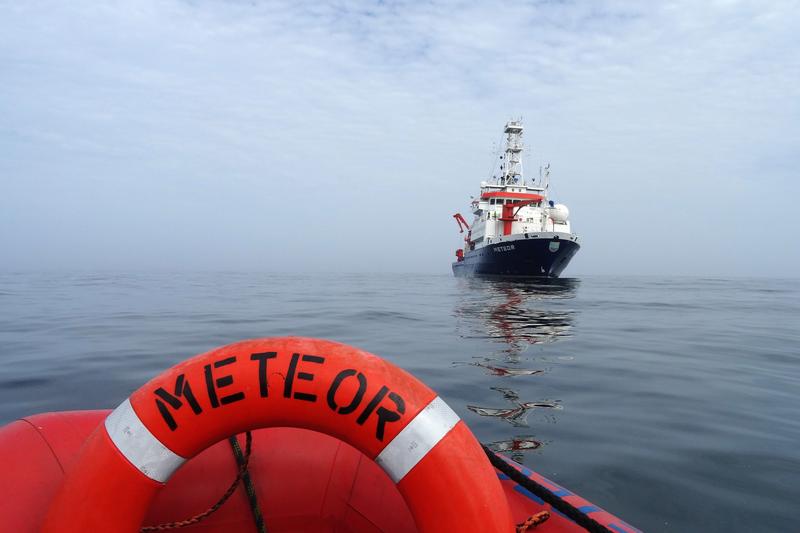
(511,169)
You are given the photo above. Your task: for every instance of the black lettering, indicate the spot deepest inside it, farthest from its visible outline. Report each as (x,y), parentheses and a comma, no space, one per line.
(213,384)
(385,415)
(359,395)
(371,406)
(166,415)
(290,376)
(182,389)
(212,394)
(287,383)
(262,370)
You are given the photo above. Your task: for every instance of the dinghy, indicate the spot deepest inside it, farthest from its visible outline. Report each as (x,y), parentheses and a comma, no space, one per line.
(281,435)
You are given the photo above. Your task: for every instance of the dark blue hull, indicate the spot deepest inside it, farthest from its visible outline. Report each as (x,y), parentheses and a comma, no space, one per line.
(528,258)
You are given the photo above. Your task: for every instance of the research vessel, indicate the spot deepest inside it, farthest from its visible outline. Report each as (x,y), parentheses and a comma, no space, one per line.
(517,229)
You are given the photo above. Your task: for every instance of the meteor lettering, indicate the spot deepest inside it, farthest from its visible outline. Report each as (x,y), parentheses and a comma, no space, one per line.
(384,406)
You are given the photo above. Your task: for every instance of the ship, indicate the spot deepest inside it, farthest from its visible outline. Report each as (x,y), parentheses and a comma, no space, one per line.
(517,231)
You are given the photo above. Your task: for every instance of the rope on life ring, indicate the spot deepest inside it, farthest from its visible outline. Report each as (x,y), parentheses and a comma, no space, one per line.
(242,475)
(379,409)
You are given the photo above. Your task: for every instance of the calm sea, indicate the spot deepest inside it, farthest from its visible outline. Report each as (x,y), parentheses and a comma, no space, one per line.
(671,402)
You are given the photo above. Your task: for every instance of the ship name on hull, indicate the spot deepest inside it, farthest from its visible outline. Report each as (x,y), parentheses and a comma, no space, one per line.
(504,248)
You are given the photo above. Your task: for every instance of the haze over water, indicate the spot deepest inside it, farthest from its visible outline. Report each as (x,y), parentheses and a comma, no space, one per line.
(266,135)
(671,402)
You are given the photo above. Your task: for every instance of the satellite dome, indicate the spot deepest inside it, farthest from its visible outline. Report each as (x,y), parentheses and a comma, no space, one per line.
(559,213)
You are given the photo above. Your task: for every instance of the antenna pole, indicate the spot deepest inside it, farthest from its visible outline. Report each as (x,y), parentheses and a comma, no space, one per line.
(512,169)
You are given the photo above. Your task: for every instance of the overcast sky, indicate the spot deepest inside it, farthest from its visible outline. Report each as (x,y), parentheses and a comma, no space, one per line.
(295,136)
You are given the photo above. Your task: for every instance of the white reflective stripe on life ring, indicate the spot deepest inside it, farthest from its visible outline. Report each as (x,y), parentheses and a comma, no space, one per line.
(417,439)
(139,446)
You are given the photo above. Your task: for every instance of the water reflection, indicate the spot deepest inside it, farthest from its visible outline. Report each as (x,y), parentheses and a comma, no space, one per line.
(514,446)
(515,315)
(517,414)
(506,371)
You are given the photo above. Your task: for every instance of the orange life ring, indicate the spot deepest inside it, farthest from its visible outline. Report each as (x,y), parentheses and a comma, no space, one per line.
(376,407)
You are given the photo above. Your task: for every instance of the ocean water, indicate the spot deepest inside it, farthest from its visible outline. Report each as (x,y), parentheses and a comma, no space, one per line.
(671,402)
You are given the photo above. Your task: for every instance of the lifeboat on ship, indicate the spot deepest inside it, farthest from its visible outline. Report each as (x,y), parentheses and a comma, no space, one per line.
(280,435)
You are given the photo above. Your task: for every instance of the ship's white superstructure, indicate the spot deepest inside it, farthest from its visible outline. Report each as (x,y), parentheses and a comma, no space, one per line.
(510,208)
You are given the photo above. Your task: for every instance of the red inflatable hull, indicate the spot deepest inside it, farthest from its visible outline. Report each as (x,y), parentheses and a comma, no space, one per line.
(305,482)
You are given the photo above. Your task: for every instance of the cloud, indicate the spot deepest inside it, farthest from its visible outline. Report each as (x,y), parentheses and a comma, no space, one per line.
(343,135)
